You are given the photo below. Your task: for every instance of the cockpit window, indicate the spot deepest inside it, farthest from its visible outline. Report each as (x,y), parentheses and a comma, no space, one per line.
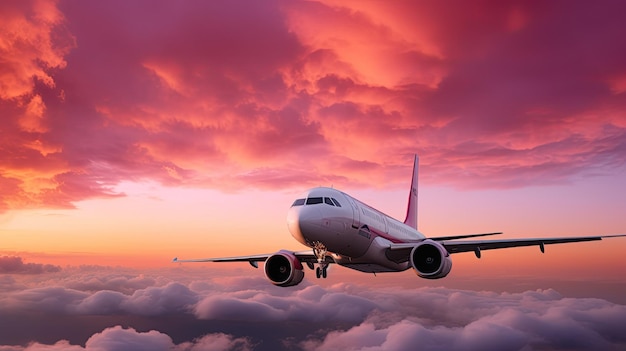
(314,200)
(317,200)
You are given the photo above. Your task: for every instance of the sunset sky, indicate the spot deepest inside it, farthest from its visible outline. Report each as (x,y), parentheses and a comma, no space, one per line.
(135,131)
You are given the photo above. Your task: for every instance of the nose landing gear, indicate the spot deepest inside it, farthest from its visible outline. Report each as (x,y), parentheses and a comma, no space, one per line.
(319,250)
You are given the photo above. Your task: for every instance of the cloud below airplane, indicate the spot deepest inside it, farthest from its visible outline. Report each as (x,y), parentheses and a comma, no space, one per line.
(192,308)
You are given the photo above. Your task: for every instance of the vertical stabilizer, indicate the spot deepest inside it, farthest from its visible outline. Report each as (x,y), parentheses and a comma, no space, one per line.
(411,210)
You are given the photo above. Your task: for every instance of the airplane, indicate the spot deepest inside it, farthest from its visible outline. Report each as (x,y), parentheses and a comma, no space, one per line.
(345,231)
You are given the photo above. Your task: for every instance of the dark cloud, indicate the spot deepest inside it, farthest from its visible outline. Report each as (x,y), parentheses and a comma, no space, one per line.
(15,265)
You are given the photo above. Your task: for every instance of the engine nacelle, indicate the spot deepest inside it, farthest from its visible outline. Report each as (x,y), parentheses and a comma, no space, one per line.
(284,269)
(431,260)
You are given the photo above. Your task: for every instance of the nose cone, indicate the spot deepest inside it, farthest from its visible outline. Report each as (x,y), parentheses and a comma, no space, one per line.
(293,224)
(302,221)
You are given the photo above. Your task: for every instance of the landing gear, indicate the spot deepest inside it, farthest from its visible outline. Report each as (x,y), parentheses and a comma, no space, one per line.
(321,272)
(319,250)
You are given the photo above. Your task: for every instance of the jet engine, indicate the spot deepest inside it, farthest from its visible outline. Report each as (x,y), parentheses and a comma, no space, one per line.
(430,260)
(284,269)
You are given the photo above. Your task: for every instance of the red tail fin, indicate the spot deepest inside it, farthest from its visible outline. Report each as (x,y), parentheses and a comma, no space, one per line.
(411,210)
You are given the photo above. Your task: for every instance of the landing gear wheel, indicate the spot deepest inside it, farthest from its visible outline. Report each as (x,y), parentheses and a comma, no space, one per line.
(321,272)
(320,251)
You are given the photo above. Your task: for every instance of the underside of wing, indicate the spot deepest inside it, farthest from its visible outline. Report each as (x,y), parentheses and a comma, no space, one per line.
(479,245)
(251,258)
(303,256)
(282,268)
(400,251)
(455,246)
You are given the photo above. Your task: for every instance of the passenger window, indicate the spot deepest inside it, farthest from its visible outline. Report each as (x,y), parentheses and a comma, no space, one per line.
(314,200)
(328,202)
(336,202)
(298,202)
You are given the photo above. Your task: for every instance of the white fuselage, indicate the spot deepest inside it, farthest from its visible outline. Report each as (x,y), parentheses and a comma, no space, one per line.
(342,230)
(355,234)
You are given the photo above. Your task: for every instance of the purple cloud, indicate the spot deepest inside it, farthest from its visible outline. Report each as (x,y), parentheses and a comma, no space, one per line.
(15,265)
(119,339)
(183,310)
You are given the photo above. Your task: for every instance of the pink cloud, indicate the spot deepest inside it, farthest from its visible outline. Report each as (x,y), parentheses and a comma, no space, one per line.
(35,42)
(230,95)
(118,339)
(217,341)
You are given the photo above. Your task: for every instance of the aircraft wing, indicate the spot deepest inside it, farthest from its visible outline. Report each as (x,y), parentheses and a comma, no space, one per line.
(303,256)
(453,237)
(251,258)
(456,246)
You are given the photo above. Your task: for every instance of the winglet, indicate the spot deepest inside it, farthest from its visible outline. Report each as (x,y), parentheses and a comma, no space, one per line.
(175,259)
(411,211)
